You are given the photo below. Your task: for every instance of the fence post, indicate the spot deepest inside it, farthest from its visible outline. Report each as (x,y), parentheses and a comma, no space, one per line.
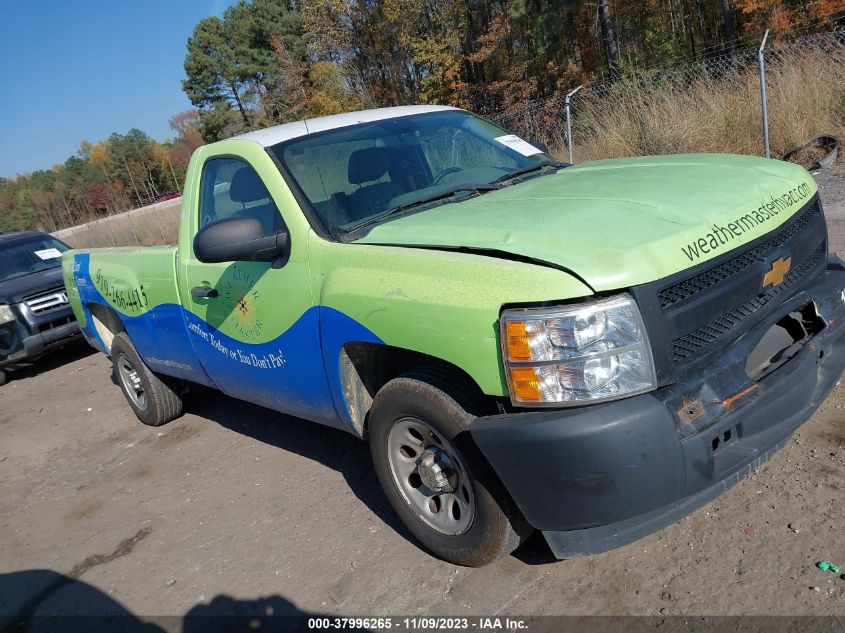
(761,62)
(132,227)
(107,222)
(158,224)
(569,121)
(173,173)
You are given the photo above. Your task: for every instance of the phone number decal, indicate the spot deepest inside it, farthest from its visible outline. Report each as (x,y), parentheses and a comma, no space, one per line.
(127,299)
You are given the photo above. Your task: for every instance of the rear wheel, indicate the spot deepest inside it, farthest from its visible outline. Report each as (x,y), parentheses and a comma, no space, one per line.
(435,477)
(154,399)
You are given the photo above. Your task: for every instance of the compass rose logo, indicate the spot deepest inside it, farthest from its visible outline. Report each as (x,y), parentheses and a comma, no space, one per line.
(242,298)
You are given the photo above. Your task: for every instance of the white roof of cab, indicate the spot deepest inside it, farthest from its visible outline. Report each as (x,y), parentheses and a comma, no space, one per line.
(285,132)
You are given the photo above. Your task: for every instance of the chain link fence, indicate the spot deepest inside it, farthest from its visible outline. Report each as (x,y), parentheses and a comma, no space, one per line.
(714,105)
(156,224)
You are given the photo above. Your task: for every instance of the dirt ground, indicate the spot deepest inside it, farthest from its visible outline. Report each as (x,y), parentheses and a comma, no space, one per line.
(232,504)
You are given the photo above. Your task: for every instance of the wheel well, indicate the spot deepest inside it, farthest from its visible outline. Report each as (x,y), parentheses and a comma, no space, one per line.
(106,322)
(367,367)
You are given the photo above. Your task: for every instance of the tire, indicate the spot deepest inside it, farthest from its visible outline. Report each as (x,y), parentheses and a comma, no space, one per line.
(447,465)
(155,399)
(3,377)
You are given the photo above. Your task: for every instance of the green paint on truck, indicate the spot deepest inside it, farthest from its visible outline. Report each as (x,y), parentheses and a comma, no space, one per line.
(524,344)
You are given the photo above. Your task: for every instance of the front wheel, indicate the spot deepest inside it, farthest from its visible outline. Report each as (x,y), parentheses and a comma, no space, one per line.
(154,399)
(435,477)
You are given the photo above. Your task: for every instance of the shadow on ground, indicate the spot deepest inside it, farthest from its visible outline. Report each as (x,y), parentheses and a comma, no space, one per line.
(44,601)
(73,351)
(333,448)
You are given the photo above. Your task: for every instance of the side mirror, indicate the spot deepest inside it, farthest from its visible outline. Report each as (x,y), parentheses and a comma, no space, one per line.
(240,239)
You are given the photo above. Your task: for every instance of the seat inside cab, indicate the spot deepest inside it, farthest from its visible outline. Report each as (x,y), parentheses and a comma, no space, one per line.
(247,190)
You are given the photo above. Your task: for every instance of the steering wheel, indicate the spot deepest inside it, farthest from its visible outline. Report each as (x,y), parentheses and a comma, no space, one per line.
(444,173)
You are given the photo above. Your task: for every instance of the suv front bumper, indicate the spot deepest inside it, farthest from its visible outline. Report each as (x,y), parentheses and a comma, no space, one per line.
(598,477)
(21,342)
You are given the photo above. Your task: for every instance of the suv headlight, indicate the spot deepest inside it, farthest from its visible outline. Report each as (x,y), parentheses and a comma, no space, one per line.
(6,314)
(583,353)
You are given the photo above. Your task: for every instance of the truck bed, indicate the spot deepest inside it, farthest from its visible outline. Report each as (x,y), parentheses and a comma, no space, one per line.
(140,284)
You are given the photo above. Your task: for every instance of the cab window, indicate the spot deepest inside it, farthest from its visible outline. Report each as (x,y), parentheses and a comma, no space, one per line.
(231,188)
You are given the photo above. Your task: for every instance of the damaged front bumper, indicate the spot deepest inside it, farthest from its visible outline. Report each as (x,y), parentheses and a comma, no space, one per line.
(598,477)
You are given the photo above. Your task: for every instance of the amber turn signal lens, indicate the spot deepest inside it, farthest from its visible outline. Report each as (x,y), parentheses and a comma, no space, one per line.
(525,385)
(517,344)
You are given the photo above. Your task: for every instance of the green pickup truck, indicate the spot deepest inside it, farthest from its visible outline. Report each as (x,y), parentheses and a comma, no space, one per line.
(592,351)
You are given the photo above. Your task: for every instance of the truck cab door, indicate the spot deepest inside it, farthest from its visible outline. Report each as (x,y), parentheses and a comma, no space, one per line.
(254,327)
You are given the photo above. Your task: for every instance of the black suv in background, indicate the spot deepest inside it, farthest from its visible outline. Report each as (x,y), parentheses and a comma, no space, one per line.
(35,316)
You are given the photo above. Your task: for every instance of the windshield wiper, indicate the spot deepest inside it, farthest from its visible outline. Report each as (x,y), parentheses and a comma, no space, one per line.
(511,178)
(444,196)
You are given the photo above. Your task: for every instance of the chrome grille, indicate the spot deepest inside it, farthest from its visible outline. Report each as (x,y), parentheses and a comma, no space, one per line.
(47,301)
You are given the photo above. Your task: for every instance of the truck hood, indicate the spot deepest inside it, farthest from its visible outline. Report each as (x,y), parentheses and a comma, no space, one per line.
(14,290)
(617,223)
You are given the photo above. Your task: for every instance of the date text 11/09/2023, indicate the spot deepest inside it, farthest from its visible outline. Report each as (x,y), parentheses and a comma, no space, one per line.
(419,624)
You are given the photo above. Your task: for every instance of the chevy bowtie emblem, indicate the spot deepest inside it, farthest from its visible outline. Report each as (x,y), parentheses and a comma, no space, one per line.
(777,272)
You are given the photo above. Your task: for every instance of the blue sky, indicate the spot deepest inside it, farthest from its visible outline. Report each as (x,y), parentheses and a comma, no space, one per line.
(75,70)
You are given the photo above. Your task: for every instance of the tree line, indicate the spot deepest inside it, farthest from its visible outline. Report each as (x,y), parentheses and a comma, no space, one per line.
(124,171)
(266,62)
(272,61)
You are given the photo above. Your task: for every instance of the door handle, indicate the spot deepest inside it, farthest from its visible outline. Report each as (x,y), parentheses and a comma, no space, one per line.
(204,292)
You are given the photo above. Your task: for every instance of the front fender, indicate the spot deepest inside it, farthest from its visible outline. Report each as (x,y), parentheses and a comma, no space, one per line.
(442,304)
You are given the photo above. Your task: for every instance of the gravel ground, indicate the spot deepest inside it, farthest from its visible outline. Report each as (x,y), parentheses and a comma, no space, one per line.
(832,191)
(236,505)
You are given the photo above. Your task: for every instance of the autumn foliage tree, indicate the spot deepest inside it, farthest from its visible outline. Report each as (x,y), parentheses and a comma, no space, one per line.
(486,55)
(122,172)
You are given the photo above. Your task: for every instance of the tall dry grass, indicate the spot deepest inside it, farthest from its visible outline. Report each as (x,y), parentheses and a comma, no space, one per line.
(148,226)
(806,97)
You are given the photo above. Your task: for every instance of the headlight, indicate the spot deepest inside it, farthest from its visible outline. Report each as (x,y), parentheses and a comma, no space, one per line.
(6,314)
(569,355)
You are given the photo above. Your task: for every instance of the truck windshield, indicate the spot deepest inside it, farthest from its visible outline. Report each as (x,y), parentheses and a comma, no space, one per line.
(20,257)
(358,173)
